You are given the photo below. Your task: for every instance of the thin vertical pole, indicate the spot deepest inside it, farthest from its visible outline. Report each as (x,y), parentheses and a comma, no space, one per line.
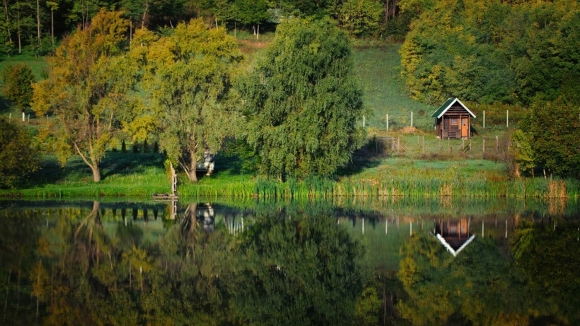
(398,145)
(364,122)
(411,118)
(387,122)
(496,144)
(483,119)
(507,118)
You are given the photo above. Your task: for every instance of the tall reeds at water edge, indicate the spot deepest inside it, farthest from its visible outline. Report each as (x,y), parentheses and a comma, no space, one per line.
(411,187)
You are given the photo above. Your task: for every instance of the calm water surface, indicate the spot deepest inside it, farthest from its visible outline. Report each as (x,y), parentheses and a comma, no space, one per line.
(346,262)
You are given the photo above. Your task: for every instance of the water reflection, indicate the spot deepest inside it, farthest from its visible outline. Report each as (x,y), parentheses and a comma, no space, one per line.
(293,263)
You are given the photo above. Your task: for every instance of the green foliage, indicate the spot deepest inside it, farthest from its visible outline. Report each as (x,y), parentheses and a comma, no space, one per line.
(360,17)
(303,102)
(522,153)
(18,81)
(554,131)
(488,52)
(18,159)
(188,77)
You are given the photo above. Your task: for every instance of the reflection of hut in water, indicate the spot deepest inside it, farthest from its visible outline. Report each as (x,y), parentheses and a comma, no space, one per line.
(453,234)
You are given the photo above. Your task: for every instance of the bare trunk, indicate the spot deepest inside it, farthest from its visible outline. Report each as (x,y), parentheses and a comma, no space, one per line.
(96,174)
(18,32)
(38,20)
(52,27)
(145,9)
(192,169)
(7,20)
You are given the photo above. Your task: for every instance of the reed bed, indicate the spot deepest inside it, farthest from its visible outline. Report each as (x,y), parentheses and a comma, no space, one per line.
(410,186)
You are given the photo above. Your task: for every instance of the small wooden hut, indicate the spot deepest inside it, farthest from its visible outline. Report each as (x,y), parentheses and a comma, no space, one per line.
(453,120)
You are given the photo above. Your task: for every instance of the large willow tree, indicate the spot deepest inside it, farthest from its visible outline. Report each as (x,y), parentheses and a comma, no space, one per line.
(188,77)
(303,101)
(87,86)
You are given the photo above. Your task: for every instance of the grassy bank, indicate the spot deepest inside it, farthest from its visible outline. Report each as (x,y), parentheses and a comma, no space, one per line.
(143,174)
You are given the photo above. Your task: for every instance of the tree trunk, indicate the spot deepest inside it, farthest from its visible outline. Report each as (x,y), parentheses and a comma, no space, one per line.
(38,21)
(7,20)
(144,17)
(96,173)
(52,27)
(192,170)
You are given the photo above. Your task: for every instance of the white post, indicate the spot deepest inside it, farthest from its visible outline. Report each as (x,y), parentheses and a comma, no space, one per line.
(506,229)
(387,122)
(364,122)
(507,118)
(386,226)
(411,228)
(482,228)
(363,225)
(23,117)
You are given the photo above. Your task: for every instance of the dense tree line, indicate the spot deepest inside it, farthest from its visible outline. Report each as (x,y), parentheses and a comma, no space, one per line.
(42,23)
(491,51)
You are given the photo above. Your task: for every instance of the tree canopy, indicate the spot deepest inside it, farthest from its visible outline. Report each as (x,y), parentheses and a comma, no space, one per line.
(18,81)
(303,102)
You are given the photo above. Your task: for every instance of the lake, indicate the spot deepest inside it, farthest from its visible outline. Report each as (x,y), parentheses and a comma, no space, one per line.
(361,261)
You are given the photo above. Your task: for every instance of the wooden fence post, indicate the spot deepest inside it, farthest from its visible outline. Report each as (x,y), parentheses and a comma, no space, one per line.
(496,145)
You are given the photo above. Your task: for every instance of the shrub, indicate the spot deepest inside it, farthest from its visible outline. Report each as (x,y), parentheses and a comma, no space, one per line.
(17,158)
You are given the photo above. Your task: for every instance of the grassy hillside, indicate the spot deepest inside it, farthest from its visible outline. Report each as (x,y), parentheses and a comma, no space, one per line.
(378,71)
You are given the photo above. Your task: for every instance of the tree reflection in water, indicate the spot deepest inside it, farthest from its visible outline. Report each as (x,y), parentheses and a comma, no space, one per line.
(288,264)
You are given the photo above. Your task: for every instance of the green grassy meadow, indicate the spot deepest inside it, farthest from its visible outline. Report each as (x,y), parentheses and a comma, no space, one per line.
(398,162)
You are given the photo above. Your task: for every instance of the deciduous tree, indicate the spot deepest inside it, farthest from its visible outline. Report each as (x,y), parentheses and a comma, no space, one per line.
(303,101)
(88,84)
(189,78)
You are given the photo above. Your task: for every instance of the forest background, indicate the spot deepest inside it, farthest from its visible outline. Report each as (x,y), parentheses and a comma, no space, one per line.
(497,56)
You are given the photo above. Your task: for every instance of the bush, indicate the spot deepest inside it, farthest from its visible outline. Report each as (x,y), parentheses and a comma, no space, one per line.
(17,159)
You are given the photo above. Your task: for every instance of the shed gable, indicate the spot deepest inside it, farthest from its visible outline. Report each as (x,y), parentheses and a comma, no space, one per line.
(452,105)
